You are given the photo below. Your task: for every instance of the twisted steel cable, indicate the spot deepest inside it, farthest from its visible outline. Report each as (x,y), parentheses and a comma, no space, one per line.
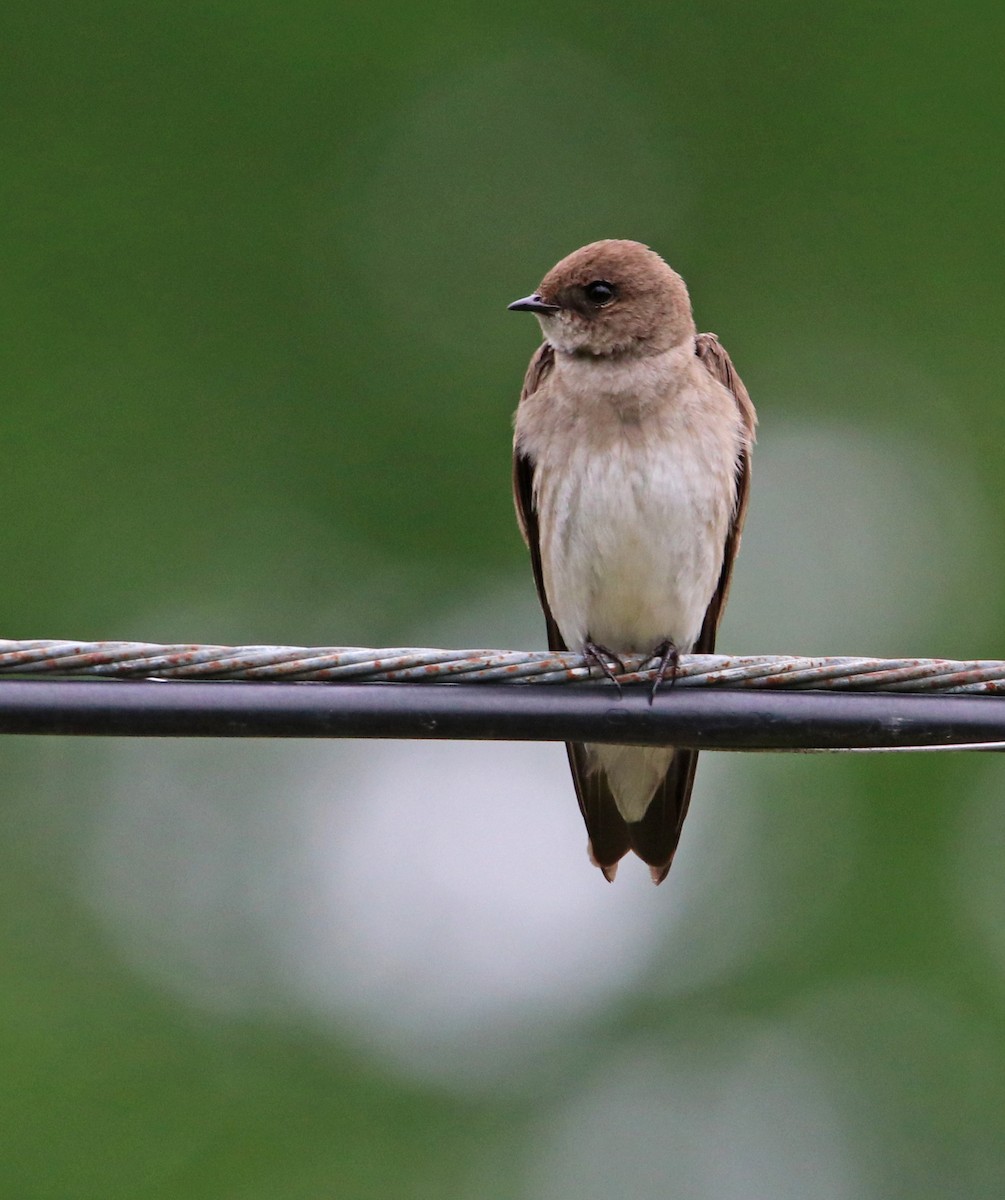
(146,660)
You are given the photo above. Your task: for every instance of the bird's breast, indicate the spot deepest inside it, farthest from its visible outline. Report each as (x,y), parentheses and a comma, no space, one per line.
(633,521)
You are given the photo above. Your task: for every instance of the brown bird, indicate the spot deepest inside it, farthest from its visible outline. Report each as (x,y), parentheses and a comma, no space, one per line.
(631,471)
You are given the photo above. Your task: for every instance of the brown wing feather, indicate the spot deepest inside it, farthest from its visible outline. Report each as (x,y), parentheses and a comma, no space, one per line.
(720,367)
(605,826)
(654,839)
(523,493)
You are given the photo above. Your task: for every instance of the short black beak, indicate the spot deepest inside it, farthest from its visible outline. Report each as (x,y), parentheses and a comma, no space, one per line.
(532,304)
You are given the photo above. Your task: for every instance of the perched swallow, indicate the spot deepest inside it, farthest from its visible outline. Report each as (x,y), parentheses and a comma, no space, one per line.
(631,471)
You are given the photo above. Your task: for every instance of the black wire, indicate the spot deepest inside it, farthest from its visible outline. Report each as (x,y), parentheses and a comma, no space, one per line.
(725,719)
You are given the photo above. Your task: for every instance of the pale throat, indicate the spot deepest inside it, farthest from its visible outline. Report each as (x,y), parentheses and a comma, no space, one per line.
(599,339)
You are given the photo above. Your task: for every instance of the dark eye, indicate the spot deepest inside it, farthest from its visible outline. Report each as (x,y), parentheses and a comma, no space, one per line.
(600,292)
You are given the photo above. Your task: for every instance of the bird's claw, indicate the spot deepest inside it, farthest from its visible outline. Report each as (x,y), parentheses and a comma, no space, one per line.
(602,657)
(669,663)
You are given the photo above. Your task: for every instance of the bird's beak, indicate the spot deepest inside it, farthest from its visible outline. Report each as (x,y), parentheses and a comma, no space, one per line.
(532,304)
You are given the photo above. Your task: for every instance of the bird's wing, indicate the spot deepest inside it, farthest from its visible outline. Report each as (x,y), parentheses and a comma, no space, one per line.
(718,364)
(655,837)
(605,826)
(523,493)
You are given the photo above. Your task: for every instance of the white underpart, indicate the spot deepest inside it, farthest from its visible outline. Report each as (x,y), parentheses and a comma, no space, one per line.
(635,545)
(633,774)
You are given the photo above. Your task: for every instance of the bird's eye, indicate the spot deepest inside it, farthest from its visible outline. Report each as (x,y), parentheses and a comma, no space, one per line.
(600,292)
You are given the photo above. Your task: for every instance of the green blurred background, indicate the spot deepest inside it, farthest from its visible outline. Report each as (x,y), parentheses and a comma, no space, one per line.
(258,377)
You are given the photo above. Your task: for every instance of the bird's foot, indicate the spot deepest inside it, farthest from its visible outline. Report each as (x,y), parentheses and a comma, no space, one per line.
(669,657)
(602,657)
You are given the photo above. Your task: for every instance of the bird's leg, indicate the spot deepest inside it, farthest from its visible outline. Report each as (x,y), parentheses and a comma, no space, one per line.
(669,657)
(603,658)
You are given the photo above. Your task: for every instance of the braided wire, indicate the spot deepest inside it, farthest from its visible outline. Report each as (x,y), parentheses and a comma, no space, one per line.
(146,660)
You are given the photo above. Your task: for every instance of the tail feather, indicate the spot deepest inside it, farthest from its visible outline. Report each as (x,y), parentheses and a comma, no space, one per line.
(606,827)
(654,838)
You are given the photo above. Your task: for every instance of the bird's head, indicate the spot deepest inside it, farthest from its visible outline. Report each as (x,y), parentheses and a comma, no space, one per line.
(612,298)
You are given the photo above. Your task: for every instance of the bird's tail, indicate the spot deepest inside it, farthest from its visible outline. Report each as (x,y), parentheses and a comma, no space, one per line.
(655,835)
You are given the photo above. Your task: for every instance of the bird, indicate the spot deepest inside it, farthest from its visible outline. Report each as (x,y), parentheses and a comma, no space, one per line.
(631,477)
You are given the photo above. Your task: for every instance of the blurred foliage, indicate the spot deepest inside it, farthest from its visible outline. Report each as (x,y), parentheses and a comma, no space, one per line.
(258,377)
